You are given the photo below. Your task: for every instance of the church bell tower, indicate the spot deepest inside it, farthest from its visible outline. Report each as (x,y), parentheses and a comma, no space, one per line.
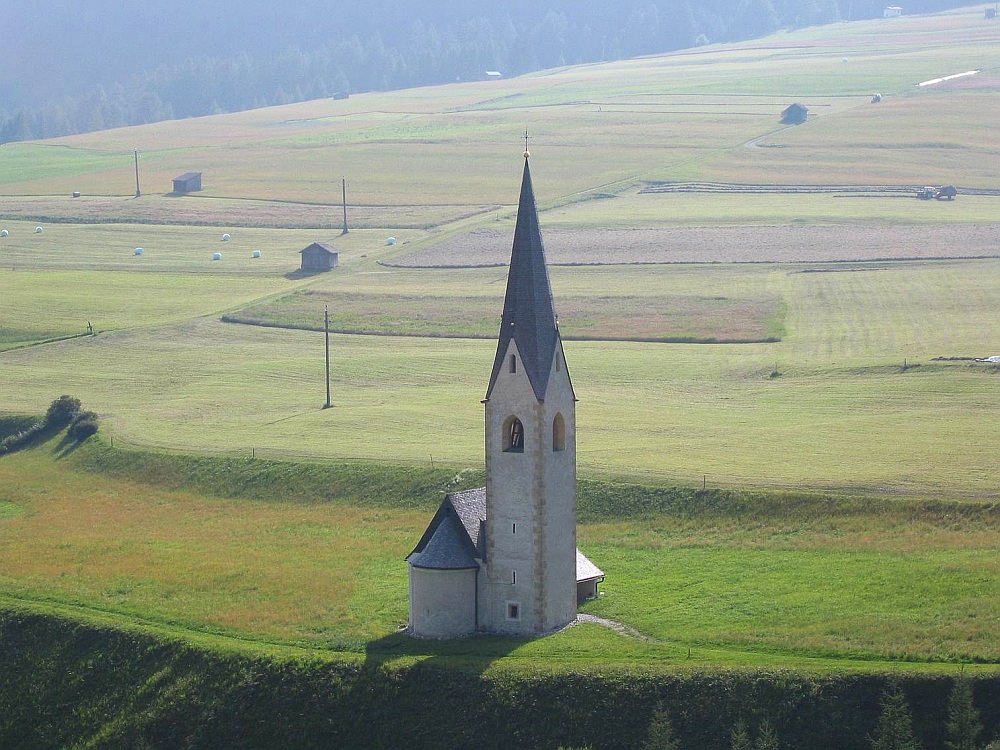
(528,582)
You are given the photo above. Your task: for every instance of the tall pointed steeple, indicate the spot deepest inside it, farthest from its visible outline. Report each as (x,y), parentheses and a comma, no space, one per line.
(529,317)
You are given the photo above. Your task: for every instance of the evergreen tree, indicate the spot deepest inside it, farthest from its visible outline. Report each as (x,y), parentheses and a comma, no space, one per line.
(767,739)
(895,726)
(741,737)
(661,733)
(963,718)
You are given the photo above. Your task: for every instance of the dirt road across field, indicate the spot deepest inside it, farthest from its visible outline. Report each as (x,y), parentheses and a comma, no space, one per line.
(782,244)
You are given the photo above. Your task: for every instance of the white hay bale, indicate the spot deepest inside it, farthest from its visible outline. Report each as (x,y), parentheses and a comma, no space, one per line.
(226,238)
(4,233)
(255,254)
(216,256)
(138,251)
(38,230)
(391,241)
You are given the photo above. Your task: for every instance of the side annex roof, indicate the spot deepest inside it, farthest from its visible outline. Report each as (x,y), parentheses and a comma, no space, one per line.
(586,570)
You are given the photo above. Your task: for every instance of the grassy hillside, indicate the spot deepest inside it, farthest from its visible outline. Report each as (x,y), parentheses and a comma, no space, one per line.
(825,501)
(686,115)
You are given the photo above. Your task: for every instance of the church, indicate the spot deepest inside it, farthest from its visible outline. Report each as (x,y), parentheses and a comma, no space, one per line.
(503,558)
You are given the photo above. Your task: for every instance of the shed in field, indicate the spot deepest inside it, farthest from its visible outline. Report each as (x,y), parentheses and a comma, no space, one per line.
(796,114)
(188,182)
(318,257)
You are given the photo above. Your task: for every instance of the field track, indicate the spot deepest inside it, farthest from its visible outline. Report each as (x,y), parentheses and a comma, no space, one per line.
(228,212)
(906,191)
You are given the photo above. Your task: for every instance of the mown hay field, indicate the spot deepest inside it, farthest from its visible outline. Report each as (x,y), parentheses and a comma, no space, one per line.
(691,319)
(717,244)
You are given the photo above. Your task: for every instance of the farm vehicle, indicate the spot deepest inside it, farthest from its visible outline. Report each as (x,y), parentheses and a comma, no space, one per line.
(944,193)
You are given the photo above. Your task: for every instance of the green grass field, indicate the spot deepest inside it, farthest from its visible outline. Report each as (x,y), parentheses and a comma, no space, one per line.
(894,559)
(210,547)
(843,415)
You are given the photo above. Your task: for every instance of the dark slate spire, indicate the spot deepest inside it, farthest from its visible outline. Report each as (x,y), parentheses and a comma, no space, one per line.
(528,315)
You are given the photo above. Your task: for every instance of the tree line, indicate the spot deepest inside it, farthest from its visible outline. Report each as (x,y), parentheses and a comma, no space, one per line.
(435,47)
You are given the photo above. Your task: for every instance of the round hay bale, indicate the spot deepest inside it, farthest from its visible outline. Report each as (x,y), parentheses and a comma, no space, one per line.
(255,254)
(138,251)
(38,230)
(226,238)
(76,193)
(391,241)
(4,233)
(216,256)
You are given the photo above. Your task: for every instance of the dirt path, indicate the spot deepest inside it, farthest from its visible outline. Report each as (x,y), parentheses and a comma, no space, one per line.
(618,627)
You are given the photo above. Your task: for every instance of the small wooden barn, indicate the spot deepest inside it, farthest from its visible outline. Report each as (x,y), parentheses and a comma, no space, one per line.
(189,182)
(318,257)
(795,114)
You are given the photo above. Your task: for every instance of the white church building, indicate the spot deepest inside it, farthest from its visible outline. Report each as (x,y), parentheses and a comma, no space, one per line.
(503,558)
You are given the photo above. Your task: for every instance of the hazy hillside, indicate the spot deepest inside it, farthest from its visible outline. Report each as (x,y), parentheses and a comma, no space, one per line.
(69,67)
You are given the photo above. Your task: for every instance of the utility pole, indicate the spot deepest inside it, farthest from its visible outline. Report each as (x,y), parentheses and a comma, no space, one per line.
(326,331)
(343,181)
(137,191)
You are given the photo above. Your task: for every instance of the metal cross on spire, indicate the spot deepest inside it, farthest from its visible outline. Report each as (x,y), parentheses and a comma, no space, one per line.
(526,152)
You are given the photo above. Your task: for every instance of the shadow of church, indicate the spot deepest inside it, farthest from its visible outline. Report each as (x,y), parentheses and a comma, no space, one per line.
(472,654)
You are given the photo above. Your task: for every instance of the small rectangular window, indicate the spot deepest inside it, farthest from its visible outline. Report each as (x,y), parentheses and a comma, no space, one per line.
(513,578)
(513,611)
(513,528)
(513,363)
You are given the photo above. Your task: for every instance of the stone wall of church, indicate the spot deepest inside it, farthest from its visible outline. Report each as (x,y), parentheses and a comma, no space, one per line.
(442,602)
(531,513)
(559,482)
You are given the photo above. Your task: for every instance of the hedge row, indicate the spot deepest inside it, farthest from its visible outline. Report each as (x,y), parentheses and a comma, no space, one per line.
(66,684)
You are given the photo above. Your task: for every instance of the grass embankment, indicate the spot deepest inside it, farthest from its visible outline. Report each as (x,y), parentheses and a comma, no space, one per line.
(73,684)
(312,555)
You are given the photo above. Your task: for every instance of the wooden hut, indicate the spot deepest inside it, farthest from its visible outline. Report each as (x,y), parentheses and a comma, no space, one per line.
(188,182)
(318,257)
(795,114)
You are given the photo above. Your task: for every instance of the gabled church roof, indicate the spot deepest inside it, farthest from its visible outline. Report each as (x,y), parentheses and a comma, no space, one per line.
(529,317)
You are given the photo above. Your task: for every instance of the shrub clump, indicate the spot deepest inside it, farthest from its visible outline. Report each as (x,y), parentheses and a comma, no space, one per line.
(64,411)
(20,438)
(84,425)
(61,412)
